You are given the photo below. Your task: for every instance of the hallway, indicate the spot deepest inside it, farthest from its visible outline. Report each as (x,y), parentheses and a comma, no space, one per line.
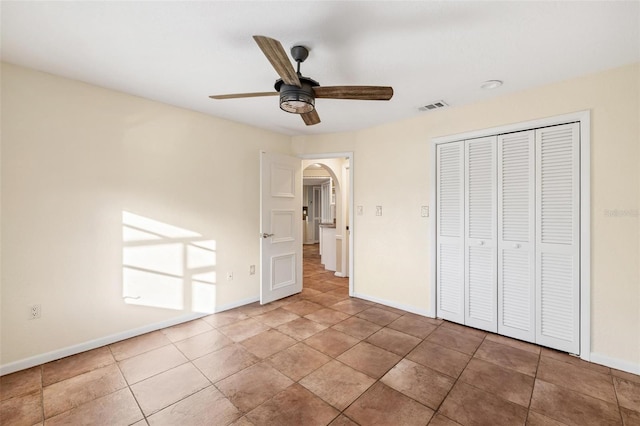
(316,278)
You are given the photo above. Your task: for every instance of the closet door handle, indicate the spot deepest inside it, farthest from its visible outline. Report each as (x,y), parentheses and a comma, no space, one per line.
(516,246)
(481,243)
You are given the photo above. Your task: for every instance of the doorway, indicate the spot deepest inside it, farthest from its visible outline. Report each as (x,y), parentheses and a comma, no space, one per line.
(327,216)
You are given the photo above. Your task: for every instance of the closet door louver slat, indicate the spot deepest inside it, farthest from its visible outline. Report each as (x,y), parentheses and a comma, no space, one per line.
(450,231)
(480,236)
(516,235)
(558,237)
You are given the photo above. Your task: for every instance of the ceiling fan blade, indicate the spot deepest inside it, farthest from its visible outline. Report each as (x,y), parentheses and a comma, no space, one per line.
(243,95)
(311,118)
(275,53)
(367,93)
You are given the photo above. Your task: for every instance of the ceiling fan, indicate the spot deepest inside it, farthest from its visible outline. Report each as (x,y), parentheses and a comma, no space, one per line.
(298,93)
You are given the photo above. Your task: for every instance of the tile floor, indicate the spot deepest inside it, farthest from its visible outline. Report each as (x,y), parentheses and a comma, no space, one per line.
(320,358)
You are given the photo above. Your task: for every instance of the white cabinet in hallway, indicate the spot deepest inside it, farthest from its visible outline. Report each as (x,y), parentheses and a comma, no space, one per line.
(328,246)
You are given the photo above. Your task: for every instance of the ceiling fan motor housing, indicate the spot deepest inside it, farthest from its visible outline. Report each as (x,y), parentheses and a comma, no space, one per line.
(299,53)
(297,100)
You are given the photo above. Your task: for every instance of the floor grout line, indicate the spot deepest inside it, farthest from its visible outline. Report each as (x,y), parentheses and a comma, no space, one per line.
(323,279)
(41,366)
(144,417)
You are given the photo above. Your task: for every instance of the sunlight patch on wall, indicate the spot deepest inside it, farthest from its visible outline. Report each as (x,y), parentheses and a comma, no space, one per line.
(165,266)
(198,257)
(160,256)
(155,227)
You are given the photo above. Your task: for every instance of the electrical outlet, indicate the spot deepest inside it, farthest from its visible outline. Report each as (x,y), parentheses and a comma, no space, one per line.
(229,276)
(424,212)
(360,210)
(378,210)
(252,270)
(35,311)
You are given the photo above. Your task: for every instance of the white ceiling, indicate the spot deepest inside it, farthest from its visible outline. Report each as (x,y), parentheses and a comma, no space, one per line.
(181,52)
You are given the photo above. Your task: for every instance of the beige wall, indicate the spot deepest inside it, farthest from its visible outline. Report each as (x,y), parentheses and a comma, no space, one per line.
(391,165)
(74,157)
(314,172)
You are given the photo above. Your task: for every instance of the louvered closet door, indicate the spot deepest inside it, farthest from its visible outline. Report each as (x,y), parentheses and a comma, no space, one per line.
(450,231)
(516,235)
(480,234)
(558,237)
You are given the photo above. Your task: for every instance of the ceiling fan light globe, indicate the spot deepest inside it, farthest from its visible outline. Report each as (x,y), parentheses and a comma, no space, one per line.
(296,102)
(297,99)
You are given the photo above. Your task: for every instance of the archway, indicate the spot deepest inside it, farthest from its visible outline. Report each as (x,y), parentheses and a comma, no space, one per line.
(325,225)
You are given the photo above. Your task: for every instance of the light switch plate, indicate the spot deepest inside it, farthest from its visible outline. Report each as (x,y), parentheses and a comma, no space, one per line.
(360,210)
(424,212)
(378,210)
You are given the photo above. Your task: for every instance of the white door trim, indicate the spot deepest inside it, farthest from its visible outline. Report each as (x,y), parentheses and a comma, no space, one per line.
(349,155)
(584,118)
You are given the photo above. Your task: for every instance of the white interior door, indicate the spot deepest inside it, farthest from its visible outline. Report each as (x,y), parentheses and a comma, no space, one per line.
(480,234)
(450,231)
(558,237)
(281,226)
(516,235)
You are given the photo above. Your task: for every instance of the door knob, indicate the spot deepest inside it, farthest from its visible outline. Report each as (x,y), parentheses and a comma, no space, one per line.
(480,243)
(516,245)
(265,235)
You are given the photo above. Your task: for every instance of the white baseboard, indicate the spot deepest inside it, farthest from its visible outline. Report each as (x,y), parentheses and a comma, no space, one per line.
(412,309)
(236,304)
(92,344)
(616,363)
(340,274)
(107,340)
